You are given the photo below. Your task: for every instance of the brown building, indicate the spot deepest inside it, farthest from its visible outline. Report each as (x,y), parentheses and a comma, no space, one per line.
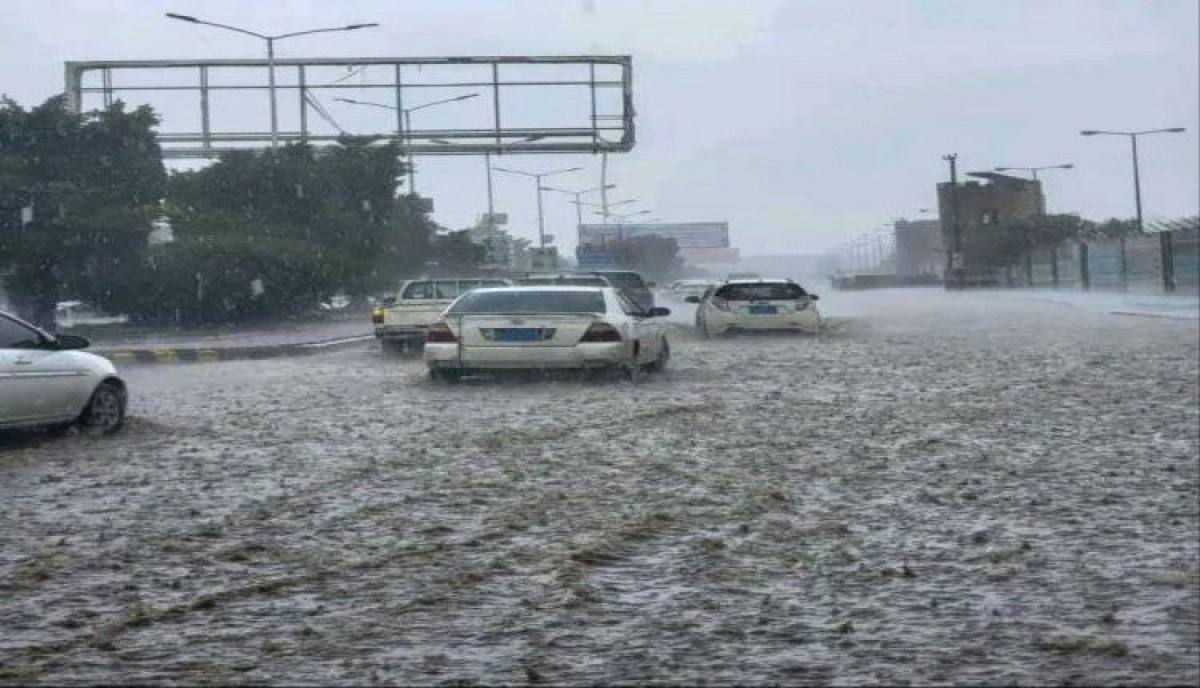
(984,207)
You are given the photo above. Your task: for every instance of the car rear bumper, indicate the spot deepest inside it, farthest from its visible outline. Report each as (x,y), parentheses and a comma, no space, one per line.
(592,355)
(808,320)
(406,332)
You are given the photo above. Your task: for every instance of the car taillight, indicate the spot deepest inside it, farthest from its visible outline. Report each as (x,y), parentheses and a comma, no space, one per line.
(439,333)
(601,332)
(720,304)
(377,315)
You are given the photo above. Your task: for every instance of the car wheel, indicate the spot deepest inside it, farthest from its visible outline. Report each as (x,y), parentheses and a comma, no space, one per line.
(443,375)
(105,412)
(659,364)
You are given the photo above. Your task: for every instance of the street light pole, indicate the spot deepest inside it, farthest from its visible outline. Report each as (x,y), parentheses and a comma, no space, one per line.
(537,177)
(270,55)
(578,202)
(954,266)
(406,135)
(1164,238)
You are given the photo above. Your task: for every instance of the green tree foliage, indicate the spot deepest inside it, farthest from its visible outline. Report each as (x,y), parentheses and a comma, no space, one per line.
(94,182)
(1115,227)
(1005,245)
(268,234)
(455,253)
(653,256)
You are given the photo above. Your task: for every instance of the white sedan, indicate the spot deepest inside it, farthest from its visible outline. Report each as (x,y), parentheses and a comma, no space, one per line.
(744,305)
(509,328)
(46,381)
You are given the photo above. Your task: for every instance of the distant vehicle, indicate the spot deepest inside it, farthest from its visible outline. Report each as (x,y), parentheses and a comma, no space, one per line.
(682,289)
(546,328)
(401,321)
(336,302)
(737,305)
(45,380)
(629,282)
(563,279)
(632,284)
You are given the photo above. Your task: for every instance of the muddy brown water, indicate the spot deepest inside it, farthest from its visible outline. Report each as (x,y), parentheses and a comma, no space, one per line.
(942,491)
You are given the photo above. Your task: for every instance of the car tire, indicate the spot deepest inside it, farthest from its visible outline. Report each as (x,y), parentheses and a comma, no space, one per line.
(659,364)
(105,411)
(446,376)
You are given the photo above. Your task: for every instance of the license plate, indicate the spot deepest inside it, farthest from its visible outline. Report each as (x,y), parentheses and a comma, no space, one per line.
(763,310)
(519,334)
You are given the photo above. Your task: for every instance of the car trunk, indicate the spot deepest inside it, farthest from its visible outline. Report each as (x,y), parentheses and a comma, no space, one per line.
(535,330)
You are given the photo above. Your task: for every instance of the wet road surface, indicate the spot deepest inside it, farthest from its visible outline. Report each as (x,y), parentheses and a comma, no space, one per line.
(943,489)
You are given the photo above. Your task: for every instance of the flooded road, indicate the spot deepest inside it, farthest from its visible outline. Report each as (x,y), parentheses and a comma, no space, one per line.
(944,489)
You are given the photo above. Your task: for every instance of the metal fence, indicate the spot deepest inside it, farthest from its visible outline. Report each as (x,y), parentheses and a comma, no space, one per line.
(1096,264)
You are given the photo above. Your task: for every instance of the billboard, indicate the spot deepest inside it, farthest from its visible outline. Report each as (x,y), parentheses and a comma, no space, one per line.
(689,235)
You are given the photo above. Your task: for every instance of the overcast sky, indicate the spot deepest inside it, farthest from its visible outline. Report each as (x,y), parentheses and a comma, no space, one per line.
(801,123)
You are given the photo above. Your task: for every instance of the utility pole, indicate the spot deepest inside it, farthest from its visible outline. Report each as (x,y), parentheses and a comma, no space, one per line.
(1164,238)
(954,257)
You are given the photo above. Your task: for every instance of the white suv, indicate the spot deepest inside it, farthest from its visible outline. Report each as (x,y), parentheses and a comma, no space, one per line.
(763,304)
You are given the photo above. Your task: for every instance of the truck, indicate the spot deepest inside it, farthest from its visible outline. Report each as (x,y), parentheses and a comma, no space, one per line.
(401,321)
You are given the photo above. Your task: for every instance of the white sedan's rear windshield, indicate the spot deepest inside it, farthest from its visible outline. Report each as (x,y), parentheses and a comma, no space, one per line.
(501,302)
(766,291)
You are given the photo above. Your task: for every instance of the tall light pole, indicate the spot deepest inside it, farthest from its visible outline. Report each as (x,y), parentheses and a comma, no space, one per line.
(406,135)
(1168,279)
(1034,170)
(578,202)
(537,177)
(270,54)
(621,218)
(487,166)
(955,263)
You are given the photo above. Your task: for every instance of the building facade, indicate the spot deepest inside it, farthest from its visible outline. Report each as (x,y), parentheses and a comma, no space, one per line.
(984,207)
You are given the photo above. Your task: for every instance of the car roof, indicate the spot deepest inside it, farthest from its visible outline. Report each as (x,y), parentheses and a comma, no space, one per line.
(456,279)
(767,280)
(545,287)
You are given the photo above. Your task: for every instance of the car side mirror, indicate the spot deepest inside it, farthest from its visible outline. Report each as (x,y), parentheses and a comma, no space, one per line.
(692,299)
(70,342)
(658,312)
(814,297)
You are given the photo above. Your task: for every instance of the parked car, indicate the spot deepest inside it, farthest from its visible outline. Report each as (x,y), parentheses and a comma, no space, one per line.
(46,380)
(401,321)
(756,305)
(558,327)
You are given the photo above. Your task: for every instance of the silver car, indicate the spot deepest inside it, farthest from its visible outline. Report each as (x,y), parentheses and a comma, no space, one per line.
(46,381)
(511,328)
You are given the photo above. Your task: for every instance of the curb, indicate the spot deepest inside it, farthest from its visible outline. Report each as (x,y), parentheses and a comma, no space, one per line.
(170,356)
(1162,315)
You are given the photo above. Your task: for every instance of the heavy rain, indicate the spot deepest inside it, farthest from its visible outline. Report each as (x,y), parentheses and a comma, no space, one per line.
(482,387)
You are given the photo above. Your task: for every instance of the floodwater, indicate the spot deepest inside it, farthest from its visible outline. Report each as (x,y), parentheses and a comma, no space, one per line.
(943,489)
